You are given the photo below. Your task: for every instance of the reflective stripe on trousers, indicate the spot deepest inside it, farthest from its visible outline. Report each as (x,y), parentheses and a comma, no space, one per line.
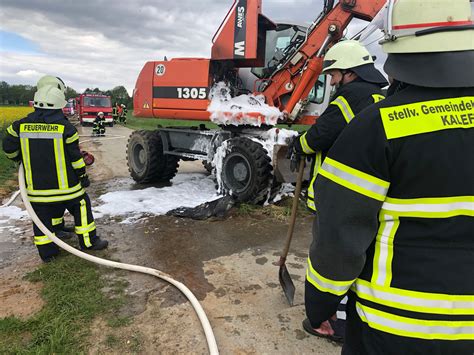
(42,240)
(84,225)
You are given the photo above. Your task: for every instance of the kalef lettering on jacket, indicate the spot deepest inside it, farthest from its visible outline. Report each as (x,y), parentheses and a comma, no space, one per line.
(459,112)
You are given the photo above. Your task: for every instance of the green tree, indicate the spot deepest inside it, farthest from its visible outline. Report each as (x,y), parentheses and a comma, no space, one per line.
(4,92)
(71,93)
(120,94)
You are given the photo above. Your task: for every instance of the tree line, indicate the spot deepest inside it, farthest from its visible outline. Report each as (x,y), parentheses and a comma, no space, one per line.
(21,95)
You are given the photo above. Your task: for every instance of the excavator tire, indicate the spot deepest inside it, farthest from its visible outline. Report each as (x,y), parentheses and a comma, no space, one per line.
(247,171)
(146,161)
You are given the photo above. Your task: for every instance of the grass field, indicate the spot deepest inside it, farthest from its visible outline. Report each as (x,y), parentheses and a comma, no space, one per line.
(152,123)
(74,297)
(8,114)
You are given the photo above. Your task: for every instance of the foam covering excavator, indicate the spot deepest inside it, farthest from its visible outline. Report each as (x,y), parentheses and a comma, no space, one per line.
(275,65)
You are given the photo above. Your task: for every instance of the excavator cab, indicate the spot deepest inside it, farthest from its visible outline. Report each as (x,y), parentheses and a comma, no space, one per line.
(281,44)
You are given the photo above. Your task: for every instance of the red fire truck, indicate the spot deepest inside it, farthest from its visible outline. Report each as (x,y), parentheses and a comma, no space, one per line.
(69,110)
(87,106)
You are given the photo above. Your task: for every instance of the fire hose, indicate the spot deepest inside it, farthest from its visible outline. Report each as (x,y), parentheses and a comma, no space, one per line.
(211,341)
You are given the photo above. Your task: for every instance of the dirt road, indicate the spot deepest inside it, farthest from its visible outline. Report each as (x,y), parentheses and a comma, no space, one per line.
(226,263)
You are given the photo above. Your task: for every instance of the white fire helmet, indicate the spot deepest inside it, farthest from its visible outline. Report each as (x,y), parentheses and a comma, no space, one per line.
(55,81)
(49,98)
(430,43)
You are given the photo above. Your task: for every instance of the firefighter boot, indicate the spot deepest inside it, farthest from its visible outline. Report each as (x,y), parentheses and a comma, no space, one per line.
(64,234)
(98,244)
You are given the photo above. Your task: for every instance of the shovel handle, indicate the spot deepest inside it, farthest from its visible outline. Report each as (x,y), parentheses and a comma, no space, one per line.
(294,209)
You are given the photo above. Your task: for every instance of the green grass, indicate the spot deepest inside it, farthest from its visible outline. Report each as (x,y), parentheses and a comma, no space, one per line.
(152,123)
(280,211)
(73,298)
(8,168)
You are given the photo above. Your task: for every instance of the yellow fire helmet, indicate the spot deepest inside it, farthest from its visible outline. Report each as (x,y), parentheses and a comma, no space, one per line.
(353,56)
(430,43)
(49,98)
(52,81)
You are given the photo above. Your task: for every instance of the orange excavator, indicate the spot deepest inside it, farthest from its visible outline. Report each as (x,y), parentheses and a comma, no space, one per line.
(278,63)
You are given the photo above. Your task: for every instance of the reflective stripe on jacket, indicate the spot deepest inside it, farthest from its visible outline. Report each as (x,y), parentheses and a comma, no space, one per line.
(349,100)
(50,154)
(396,219)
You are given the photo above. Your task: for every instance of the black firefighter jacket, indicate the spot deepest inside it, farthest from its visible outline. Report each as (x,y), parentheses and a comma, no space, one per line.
(348,101)
(395,226)
(48,146)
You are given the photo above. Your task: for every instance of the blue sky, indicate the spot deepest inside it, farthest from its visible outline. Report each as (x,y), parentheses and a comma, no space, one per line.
(12,42)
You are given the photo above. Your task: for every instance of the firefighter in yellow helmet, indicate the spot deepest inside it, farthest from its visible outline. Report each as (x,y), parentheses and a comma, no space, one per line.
(358,85)
(395,197)
(47,145)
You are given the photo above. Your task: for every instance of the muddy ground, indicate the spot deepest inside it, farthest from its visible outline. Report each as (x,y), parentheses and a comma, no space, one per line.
(226,263)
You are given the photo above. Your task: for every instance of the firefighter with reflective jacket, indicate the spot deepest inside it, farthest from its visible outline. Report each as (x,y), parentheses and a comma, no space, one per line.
(123,114)
(115,112)
(358,83)
(98,128)
(47,145)
(395,227)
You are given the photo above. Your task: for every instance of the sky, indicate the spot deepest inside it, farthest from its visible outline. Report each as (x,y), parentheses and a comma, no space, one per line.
(106,43)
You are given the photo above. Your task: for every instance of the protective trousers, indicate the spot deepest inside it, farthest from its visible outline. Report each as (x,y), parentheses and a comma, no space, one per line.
(51,214)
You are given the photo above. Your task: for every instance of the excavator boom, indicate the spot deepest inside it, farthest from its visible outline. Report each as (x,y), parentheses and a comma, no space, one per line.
(180,88)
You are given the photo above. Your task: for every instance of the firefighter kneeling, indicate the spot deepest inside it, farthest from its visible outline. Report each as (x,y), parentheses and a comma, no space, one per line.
(99,125)
(55,171)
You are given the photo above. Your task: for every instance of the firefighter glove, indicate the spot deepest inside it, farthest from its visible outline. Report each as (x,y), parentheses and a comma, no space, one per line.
(85,182)
(295,153)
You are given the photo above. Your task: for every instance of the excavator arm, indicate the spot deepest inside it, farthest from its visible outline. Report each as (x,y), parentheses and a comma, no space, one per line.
(297,76)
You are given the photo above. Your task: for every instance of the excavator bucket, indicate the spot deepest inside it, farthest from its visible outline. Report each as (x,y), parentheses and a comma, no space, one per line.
(281,166)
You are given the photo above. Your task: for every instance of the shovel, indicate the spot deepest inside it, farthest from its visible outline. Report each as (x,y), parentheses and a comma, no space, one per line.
(285,279)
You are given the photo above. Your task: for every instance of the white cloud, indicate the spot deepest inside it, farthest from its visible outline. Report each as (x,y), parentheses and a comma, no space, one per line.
(33,74)
(104,44)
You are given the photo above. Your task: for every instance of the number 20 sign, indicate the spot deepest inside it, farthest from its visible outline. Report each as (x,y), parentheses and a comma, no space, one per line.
(160,70)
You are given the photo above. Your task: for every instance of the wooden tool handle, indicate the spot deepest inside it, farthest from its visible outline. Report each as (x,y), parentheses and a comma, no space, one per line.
(294,209)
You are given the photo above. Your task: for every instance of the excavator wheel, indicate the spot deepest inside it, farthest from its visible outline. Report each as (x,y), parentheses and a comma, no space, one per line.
(247,170)
(146,161)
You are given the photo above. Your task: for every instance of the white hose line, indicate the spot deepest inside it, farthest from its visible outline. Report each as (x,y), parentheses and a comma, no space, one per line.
(10,201)
(97,139)
(211,341)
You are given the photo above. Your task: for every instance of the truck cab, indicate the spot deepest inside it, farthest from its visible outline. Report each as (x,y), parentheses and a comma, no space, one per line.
(89,105)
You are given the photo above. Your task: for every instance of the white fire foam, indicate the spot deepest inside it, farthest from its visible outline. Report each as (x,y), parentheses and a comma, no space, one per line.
(227,110)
